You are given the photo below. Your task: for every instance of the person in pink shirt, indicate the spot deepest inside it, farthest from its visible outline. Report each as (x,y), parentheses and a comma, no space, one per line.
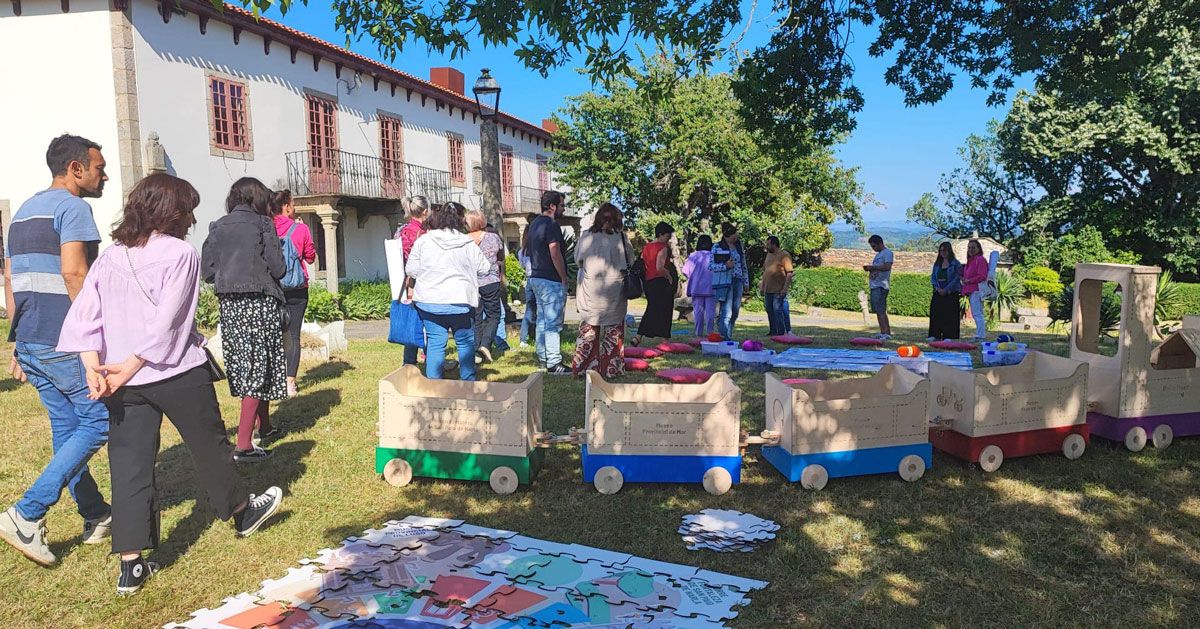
(974,274)
(135,318)
(295,299)
(418,211)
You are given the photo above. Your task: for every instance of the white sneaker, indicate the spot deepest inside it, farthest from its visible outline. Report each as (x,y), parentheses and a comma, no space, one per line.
(884,337)
(523,345)
(98,530)
(27,537)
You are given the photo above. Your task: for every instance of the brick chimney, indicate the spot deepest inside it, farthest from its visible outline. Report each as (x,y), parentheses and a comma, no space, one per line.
(549,125)
(447,78)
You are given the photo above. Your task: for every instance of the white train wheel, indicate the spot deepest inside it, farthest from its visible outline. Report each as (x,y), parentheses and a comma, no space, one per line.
(1135,439)
(912,467)
(1073,446)
(503,480)
(1162,436)
(397,472)
(814,477)
(991,458)
(717,480)
(608,480)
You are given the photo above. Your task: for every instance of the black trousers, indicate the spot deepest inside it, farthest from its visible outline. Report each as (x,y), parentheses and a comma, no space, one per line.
(660,309)
(296,302)
(945,316)
(487,317)
(190,402)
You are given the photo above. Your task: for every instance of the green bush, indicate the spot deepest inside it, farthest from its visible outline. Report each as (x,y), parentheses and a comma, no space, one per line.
(1188,302)
(208,313)
(1041,281)
(323,306)
(514,278)
(838,289)
(365,301)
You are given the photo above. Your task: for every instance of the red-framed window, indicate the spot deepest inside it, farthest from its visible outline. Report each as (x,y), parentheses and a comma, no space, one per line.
(322,133)
(458,164)
(391,146)
(230,124)
(506,178)
(543,173)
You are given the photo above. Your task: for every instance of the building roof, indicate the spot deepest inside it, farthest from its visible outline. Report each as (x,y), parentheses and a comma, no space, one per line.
(240,18)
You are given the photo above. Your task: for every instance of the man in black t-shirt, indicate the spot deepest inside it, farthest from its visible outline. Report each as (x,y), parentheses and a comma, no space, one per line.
(548,280)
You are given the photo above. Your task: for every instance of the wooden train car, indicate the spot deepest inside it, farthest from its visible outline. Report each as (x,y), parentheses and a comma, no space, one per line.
(662,433)
(1142,393)
(458,430)
(853,427)
(986,415)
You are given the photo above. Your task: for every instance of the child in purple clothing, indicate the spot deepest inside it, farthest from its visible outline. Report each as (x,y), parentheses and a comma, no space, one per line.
(699,286)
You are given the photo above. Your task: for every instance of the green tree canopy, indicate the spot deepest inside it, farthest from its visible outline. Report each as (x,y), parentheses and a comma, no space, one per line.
(798,86)
(687,157)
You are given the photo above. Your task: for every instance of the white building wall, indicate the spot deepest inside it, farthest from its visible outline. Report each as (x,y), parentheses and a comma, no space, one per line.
(57,74)
(172,62)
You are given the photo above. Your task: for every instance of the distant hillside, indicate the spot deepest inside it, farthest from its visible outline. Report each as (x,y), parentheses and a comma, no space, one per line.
(895,234)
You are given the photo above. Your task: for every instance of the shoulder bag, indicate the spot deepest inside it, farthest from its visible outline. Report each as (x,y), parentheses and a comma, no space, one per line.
(633,277)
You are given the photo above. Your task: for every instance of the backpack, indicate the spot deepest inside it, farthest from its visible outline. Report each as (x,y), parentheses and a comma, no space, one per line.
(294,277)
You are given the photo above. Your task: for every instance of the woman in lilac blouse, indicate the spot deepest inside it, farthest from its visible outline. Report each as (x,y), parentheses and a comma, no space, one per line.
(134,324)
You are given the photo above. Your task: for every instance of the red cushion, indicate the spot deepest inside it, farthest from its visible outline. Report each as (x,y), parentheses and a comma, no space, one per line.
(859,340)
(792,339)
(684,375)
(696,342)
(675,348)
(800,380)
(963,345)
(636,364)
(640,352)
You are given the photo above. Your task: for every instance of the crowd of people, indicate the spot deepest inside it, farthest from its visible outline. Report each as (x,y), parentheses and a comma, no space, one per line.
(109,339)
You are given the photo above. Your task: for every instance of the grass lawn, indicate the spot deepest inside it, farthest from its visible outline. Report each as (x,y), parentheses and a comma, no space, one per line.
(1110,539)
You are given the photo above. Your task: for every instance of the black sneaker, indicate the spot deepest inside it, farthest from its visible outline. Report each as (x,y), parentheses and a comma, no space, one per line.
(253,455)
(267,437)
(134,573)
(258,510)
(558,370)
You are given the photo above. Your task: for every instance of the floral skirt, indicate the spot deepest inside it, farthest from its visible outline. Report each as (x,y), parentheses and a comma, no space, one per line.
(600,348)
(252,344)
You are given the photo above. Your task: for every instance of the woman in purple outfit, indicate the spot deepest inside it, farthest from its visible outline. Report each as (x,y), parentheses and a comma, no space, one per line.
(134,324)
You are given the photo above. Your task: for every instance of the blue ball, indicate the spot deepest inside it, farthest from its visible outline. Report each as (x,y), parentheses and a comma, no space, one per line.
(1005,338)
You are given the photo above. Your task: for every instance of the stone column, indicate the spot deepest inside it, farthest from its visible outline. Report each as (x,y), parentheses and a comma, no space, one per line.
(129,143)
(330,217)
(489,149)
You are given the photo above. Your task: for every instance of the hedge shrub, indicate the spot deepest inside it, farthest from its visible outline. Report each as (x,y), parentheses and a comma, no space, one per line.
(514,278)
(208,313)
(1043,282)
(1189,301)
(838,289)
(365,301)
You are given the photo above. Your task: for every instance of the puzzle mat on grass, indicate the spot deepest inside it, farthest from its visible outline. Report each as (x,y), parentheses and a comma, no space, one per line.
(856,359)
(726,530)
(421,573)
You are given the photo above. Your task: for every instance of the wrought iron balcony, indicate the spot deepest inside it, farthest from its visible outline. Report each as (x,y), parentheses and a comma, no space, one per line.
(328,172)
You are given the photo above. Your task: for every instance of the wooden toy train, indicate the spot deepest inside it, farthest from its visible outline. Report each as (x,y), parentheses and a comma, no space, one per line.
(889,422)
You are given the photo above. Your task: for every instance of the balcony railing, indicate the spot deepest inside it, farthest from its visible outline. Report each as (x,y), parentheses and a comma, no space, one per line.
(329,172)
(528,200)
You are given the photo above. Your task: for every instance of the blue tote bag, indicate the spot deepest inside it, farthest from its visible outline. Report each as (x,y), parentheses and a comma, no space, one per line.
(406,326)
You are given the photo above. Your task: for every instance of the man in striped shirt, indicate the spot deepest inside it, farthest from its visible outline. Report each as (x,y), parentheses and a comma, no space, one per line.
(52,242)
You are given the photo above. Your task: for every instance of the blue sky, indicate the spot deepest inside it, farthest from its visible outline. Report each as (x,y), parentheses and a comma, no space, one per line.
(901,151)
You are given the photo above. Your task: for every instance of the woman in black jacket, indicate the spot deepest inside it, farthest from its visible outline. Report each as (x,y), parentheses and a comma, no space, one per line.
(243,259)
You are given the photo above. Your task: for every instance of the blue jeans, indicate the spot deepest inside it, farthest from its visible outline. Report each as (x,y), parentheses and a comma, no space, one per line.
(552,301)
(529,320)
(728,312)
(779,315)
(78,427)
(436,339)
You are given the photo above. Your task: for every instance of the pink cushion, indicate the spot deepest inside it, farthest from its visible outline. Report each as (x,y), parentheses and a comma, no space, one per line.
(636,364)
(792,339)
(962,345)
(675,348)
(866,342)
(800,380)
(684,375)
(640,352)
(695,342)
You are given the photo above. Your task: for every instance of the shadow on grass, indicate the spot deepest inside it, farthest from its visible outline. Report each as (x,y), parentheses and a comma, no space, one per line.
(176,485)
(326,371)
(8,384)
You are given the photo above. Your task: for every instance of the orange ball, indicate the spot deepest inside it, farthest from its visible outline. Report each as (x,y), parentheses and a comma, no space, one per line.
(908,351)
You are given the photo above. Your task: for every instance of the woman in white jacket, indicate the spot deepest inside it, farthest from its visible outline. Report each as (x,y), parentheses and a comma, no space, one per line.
(447,265)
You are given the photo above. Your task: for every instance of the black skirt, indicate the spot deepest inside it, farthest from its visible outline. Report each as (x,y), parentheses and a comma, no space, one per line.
(660,305)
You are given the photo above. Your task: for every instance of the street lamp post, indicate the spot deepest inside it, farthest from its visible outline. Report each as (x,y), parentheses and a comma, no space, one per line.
(487,98)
